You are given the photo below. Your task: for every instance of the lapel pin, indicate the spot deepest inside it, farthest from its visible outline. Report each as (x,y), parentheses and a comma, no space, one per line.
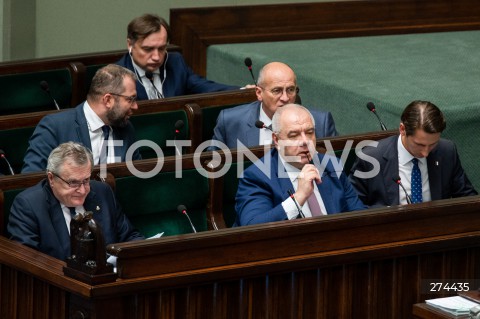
(98,208)
(436,163)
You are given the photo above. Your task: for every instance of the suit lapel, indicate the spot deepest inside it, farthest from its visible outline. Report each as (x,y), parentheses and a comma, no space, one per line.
(58,221)
(434,175)
(390,171)
(82,127)
(252,133)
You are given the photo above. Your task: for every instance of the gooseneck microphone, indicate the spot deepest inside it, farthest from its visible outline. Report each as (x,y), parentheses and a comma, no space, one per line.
(2,155)
(371,107)
(182,209)
(44,86)
(398,180)
(178,126)
(149,75)
(296,204)
(260,124)
(248,63)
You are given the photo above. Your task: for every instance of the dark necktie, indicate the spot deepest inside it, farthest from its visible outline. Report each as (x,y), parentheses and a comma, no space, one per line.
(269,127)
(314,206)
(72,211)
(416,183)
(104,149)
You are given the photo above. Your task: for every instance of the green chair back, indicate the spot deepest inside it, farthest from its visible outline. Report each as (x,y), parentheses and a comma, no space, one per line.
(14,142)
(151,204)
(22,92)
(159,128)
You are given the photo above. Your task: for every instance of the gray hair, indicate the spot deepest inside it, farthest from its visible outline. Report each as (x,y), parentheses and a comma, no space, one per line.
(75,152)
(109,79)
(276,124)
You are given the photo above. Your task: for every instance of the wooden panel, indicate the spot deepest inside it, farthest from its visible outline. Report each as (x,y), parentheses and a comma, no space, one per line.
(194,29)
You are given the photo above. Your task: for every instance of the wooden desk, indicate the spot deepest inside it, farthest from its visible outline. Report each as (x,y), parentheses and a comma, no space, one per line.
(366,264)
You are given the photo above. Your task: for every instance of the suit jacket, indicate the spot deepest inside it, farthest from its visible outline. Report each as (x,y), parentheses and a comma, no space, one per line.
(239,123)
(179,80)
(259,198)
(445,174)
(36,219)
(69,126)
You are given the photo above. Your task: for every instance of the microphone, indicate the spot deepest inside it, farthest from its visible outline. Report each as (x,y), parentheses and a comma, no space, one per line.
(182,209)
(248,63)
(178,126)
(398,180)
(296,204)
(371,107)
(260,124)
(45,87)
(149,75)
(2,155)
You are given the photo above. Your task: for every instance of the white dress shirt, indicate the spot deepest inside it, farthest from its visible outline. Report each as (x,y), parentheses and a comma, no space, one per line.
(265,136)
(405,167)
(95,132)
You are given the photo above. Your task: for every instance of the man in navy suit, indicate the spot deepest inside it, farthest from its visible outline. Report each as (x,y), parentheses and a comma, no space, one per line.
(441,173)
(40,215)
(276,87)
(316,188)
(97,123)
(159,73)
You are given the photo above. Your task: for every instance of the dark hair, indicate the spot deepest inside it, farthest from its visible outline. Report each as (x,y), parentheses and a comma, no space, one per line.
(423,115)
(141,27)
(109,79)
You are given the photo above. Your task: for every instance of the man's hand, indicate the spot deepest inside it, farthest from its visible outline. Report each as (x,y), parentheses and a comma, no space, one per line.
(306,178)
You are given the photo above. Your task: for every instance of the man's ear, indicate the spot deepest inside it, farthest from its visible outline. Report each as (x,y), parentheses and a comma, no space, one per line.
(275,140)
(402,130)
(129,46)
(258,93)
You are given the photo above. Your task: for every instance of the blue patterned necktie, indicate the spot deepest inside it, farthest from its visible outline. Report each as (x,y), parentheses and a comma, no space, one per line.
(416,182)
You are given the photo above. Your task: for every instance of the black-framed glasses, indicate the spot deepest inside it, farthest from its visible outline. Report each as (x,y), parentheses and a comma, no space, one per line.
(130,99)
(291,90)
(74,184)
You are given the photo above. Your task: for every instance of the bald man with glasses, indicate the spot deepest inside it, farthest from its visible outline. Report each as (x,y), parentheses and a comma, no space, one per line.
(276,87)
(40,215)
(96,123)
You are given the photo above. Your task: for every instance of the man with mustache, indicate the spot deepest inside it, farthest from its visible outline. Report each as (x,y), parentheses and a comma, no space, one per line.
(96,123)
(293,166)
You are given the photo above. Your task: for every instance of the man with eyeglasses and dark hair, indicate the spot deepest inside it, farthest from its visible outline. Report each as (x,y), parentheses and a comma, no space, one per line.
(161,74)
(102,119)
(40,215)
(276,87)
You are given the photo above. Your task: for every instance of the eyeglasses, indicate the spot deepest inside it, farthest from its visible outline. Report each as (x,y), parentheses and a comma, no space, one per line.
(130,99)
(291,91)
(75,184)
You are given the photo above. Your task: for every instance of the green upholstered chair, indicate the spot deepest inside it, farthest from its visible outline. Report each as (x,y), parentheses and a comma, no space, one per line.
(7,198)
(151,203)
(22,92)
(159,127)
(14,142)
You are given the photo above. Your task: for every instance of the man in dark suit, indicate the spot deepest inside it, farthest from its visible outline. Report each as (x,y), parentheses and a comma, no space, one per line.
(147,40)
(263,192)
(277,86)
(100,121)
(40,215)
(394,160)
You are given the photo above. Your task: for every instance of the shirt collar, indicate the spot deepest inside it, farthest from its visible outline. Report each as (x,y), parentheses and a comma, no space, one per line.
(140,71)
(291,170)
(93,120)
(264,117)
